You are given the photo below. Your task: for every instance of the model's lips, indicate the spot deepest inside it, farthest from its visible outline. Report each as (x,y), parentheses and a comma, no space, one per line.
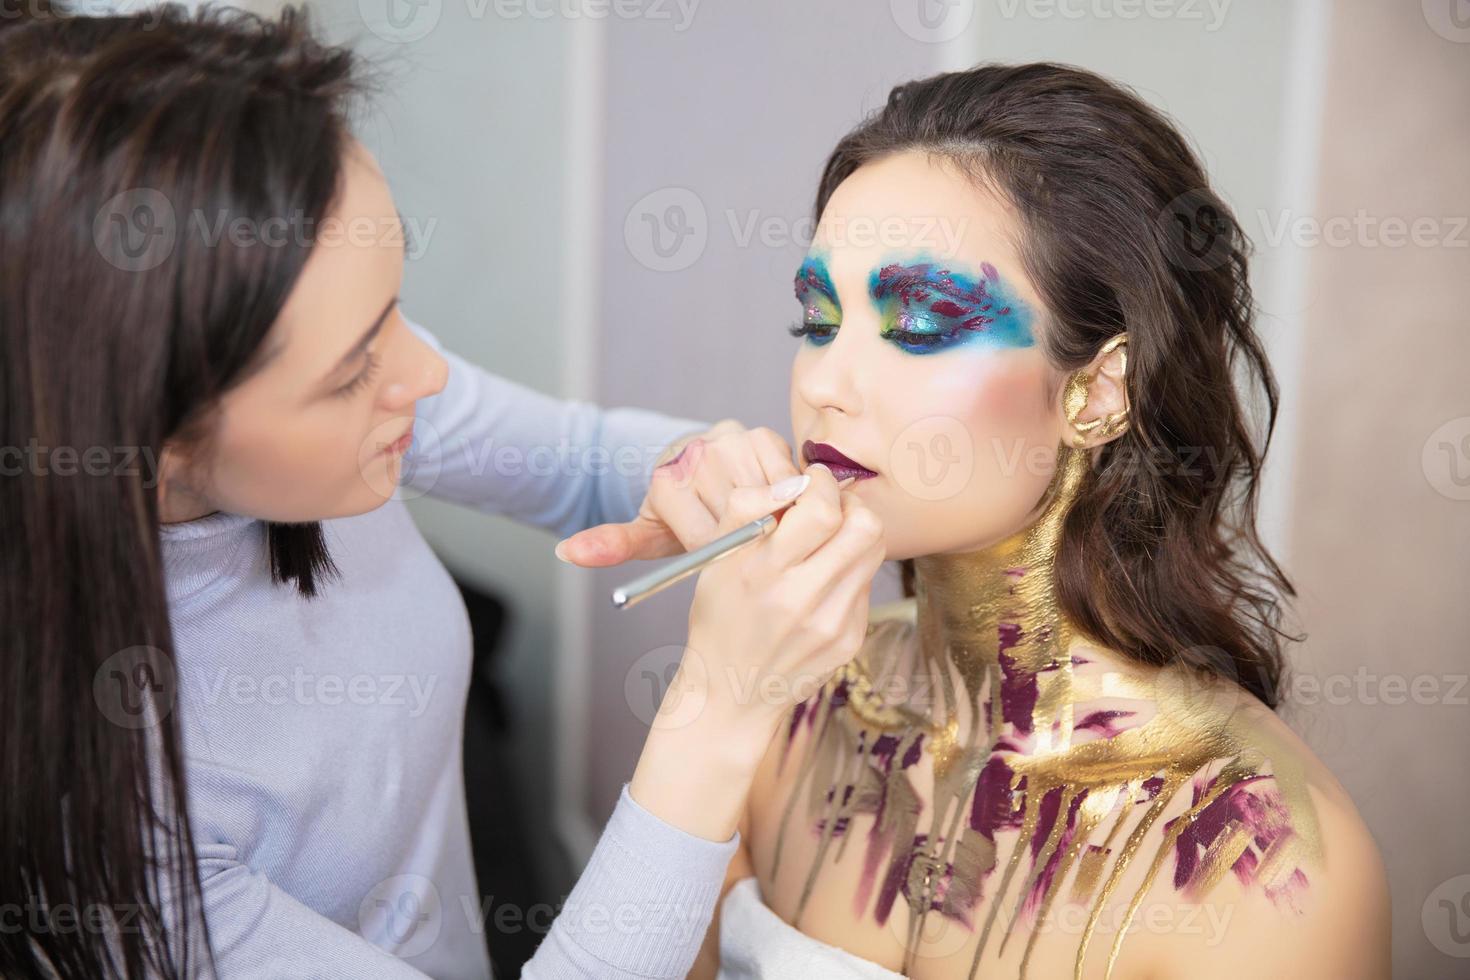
(842,466)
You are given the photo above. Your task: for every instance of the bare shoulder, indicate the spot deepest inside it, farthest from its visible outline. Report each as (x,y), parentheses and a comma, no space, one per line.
(1310,902)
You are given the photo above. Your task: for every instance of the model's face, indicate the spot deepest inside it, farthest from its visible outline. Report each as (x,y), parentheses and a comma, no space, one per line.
(921,358)
(309,436)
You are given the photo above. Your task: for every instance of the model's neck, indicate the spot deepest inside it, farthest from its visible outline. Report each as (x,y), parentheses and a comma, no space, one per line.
(995,611)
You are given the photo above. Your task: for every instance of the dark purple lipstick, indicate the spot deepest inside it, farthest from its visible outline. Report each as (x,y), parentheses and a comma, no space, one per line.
(841,466)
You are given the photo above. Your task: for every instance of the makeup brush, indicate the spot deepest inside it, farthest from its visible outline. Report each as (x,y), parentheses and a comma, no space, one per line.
(629,594)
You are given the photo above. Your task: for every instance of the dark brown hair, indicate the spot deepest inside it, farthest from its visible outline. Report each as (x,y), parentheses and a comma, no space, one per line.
(1159,558)
(122,322)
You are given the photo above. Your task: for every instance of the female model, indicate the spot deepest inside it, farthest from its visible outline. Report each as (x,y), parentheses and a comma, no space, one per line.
(233,673)
(1063,738)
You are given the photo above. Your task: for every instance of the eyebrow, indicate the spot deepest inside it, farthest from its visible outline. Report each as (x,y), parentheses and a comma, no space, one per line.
(356,350)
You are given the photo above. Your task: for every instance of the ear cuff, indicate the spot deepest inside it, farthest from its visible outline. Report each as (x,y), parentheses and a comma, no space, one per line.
(1074,399)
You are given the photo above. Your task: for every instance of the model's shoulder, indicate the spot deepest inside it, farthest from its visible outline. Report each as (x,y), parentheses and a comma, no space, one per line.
(1296,887)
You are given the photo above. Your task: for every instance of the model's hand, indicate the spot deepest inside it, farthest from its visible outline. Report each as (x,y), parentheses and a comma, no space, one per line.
(768,626)
(687,496)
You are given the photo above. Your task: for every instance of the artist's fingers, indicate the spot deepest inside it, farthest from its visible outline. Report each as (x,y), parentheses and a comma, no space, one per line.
(814,518)
(612,544)
(857,543)
(772,454)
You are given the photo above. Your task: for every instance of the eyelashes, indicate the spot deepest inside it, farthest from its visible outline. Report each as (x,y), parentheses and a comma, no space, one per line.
(363,379)
(815,333)
(820,334)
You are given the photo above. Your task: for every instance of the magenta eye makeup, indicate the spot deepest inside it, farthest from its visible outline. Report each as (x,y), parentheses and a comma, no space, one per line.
(820,312)
(928,307)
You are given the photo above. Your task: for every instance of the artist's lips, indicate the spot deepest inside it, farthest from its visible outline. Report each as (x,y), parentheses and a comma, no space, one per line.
(841,466)
(398,446)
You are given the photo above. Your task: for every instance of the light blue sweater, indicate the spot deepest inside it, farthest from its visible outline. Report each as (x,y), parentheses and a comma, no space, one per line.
(323,737)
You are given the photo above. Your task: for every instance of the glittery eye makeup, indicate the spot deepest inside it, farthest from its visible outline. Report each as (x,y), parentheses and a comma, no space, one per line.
(820,312)
(927,307)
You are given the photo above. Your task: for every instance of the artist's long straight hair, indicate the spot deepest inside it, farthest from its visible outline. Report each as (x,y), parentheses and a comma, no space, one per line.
(125,144)
(1159,557)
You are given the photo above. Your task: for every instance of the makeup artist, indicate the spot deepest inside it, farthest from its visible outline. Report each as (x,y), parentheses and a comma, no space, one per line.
(213,597)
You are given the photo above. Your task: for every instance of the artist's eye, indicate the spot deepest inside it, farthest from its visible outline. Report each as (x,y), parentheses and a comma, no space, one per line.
(918,343)
(363,379)
(816,333)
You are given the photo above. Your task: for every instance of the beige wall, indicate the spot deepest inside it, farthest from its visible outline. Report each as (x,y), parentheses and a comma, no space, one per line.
(1380,536)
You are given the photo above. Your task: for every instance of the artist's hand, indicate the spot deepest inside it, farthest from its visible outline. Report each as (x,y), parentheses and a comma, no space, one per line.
(768,626)
(788,611)
(686,496)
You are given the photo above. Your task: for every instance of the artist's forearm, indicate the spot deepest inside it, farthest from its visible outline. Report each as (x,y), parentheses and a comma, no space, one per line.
(700,758)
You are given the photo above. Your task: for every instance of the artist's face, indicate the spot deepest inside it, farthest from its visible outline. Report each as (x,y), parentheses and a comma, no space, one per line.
(922,359)
(310,436)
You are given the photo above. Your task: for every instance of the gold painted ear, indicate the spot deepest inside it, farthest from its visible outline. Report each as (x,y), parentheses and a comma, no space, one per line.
(1074,399)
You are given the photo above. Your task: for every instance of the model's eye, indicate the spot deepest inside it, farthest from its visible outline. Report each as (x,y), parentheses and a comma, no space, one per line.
(816,333)
(918,343)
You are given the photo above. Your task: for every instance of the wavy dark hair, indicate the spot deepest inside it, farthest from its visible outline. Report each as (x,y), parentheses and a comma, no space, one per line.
(1159,558)
(121,325)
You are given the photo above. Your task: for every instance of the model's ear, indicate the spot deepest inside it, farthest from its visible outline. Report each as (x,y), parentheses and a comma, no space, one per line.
(1095,398)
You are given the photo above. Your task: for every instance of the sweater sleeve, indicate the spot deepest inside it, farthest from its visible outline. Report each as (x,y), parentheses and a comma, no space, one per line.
(490,443)
(260,932)
(642,906)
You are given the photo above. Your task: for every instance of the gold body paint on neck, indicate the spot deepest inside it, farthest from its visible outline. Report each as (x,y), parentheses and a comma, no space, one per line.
(985,642)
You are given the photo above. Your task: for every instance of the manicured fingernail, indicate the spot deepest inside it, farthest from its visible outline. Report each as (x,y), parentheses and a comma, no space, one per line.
(561,552)
(790,488)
